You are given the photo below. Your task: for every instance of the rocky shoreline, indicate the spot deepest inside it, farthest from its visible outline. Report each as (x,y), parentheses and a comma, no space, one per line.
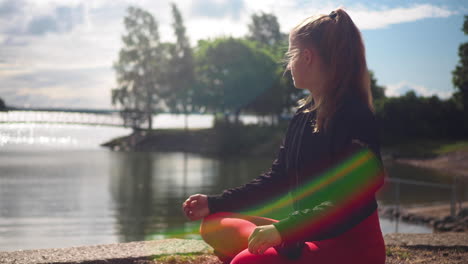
(437,216)
(200,141)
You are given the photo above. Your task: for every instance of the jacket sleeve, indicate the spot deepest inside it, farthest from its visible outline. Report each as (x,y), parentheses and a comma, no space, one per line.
(338,191)
(268,185)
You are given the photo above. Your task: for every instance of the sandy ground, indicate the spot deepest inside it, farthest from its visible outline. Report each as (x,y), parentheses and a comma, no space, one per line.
(395,255)
(450,248)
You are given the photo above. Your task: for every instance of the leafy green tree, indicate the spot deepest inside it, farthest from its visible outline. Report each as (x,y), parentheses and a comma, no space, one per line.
(139,69)
(460,74)
(181,77)
(231,73)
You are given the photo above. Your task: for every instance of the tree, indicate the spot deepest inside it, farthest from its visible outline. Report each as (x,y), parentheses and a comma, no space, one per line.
(378,91)
(181,77)
(460,74)
(265,30)
(139,69)
(378,94)
(231,73)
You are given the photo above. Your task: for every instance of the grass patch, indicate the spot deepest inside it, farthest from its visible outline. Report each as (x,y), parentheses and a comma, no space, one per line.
(397,252)
(192,258)
(451,147)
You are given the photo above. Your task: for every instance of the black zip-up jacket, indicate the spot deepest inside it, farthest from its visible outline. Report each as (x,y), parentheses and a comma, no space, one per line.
(302,156)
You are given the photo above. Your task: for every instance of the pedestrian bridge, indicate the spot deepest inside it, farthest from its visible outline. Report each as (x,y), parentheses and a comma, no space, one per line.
(61,117)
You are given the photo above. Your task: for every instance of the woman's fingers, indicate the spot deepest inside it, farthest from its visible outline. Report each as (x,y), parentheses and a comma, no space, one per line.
(195,207)
(257,244)
(254,242)
(187,206)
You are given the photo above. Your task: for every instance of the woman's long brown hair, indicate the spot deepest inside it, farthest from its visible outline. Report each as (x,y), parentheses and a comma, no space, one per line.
(341,48)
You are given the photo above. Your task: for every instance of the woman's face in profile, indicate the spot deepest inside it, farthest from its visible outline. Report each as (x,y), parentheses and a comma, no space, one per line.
(306,67)
(296,65)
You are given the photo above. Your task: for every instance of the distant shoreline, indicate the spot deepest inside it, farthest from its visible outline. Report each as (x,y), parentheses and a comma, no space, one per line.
(229,140)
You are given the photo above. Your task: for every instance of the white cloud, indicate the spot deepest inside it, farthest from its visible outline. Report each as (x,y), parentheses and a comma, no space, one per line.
(397,89)
(290,13)
(374,19)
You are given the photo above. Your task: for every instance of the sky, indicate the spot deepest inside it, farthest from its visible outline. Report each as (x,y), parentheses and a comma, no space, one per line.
(59,53)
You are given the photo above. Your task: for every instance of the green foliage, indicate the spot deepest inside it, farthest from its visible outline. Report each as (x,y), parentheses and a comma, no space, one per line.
(231,73)
(139,69)
(378,91)
(398,253)
(180,77)
(412,117)
(465,25)
(453,146)
(460,74)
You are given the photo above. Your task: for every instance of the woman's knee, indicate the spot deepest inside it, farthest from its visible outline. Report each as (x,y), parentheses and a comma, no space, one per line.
(226,233)
(211,224)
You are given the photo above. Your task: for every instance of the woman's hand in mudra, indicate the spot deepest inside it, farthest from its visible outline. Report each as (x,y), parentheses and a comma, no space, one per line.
(262,238)
(196,207)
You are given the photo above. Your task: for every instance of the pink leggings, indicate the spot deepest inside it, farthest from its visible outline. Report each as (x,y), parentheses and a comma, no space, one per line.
(228,234)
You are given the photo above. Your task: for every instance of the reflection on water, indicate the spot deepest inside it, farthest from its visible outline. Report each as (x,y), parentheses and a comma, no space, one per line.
(60,197)
(55,199)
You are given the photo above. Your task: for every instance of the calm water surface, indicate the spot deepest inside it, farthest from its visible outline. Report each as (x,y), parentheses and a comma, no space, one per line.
(58,188)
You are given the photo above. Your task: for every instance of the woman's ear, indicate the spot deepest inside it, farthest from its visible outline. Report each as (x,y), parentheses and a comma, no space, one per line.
(309,56)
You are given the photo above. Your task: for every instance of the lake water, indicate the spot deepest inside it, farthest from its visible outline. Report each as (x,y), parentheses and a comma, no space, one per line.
(58,188)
